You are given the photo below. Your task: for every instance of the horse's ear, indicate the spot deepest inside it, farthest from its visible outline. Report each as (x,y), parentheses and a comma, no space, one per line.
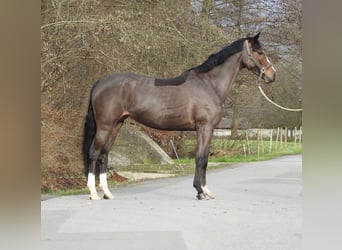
(256,37)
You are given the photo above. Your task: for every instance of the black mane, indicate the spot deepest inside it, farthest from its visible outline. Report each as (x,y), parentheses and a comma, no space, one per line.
(212,61)
(178,80)
(220,57)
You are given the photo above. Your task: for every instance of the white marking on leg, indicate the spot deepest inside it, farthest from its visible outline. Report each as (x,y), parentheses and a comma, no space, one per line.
(104,186)
(207,191)
(92,188)
(91,183)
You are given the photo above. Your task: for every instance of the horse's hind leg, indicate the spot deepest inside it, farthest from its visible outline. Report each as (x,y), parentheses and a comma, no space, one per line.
(96,148)
(104,162)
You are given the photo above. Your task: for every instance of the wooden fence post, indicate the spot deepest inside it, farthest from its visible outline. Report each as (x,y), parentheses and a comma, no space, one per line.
(258,146)
(285,137)
(262,141)
(271,137)
(247,142)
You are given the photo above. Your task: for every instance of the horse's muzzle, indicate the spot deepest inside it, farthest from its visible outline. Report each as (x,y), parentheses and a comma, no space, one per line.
(269,78)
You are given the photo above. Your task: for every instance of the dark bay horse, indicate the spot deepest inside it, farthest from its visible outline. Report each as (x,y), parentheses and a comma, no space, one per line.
(192,101)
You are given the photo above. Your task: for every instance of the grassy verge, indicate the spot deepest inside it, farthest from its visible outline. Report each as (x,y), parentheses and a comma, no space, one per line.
(85,190)
(291,149)
(67,192)
(186,166)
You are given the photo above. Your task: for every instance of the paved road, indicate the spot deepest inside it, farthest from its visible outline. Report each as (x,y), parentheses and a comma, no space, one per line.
(257,206)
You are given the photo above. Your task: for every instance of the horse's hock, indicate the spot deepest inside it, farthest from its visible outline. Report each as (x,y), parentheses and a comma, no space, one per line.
(133,147)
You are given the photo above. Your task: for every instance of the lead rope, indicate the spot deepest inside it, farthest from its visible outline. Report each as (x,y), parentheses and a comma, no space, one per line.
(262,71)
(275,104)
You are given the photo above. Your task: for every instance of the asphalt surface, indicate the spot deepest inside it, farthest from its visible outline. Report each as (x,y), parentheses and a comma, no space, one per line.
(257,206)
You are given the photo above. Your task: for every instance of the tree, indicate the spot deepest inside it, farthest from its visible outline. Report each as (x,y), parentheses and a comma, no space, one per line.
(280,25)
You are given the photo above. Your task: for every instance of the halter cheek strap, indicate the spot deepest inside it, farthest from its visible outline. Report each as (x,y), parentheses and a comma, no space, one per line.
(256,62)
(262,71)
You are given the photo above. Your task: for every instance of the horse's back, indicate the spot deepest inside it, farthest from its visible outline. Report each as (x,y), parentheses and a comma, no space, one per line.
(120,78)
(118,82)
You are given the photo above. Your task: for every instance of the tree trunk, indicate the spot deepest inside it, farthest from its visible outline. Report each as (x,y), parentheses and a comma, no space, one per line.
(235,97)
(205,14)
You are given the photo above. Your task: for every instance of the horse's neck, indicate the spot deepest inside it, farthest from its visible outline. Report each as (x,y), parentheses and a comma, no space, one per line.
(223,76)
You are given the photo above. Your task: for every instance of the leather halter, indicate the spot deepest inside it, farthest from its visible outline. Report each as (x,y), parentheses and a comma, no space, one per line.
(262,72)
(256,62)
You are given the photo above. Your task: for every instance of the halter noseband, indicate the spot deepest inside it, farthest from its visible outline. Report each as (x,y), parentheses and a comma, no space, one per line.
(256,62)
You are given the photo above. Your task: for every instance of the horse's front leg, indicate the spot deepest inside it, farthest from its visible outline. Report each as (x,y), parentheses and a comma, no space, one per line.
(208,194)
(204,135)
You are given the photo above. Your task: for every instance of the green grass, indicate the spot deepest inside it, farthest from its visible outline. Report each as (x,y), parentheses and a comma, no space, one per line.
(226,153)
(68,192)
(240,156)
(290,150)
(85,190)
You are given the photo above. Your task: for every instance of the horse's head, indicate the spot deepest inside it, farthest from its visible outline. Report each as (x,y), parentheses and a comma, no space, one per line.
(255,59)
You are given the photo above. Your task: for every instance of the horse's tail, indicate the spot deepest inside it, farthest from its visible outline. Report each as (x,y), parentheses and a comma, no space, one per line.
(89,134)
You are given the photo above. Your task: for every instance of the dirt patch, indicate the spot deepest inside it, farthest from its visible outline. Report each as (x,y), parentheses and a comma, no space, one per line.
(118,178)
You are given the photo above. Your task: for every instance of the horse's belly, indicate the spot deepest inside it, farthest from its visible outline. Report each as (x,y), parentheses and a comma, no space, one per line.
(166,120)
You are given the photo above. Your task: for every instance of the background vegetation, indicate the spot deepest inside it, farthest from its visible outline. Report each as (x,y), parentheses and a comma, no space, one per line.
(84,40)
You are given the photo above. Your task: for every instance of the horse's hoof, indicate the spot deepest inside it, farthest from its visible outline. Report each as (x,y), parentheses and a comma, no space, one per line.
(201,196)
(210,195)
(94,197)
(108,196)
